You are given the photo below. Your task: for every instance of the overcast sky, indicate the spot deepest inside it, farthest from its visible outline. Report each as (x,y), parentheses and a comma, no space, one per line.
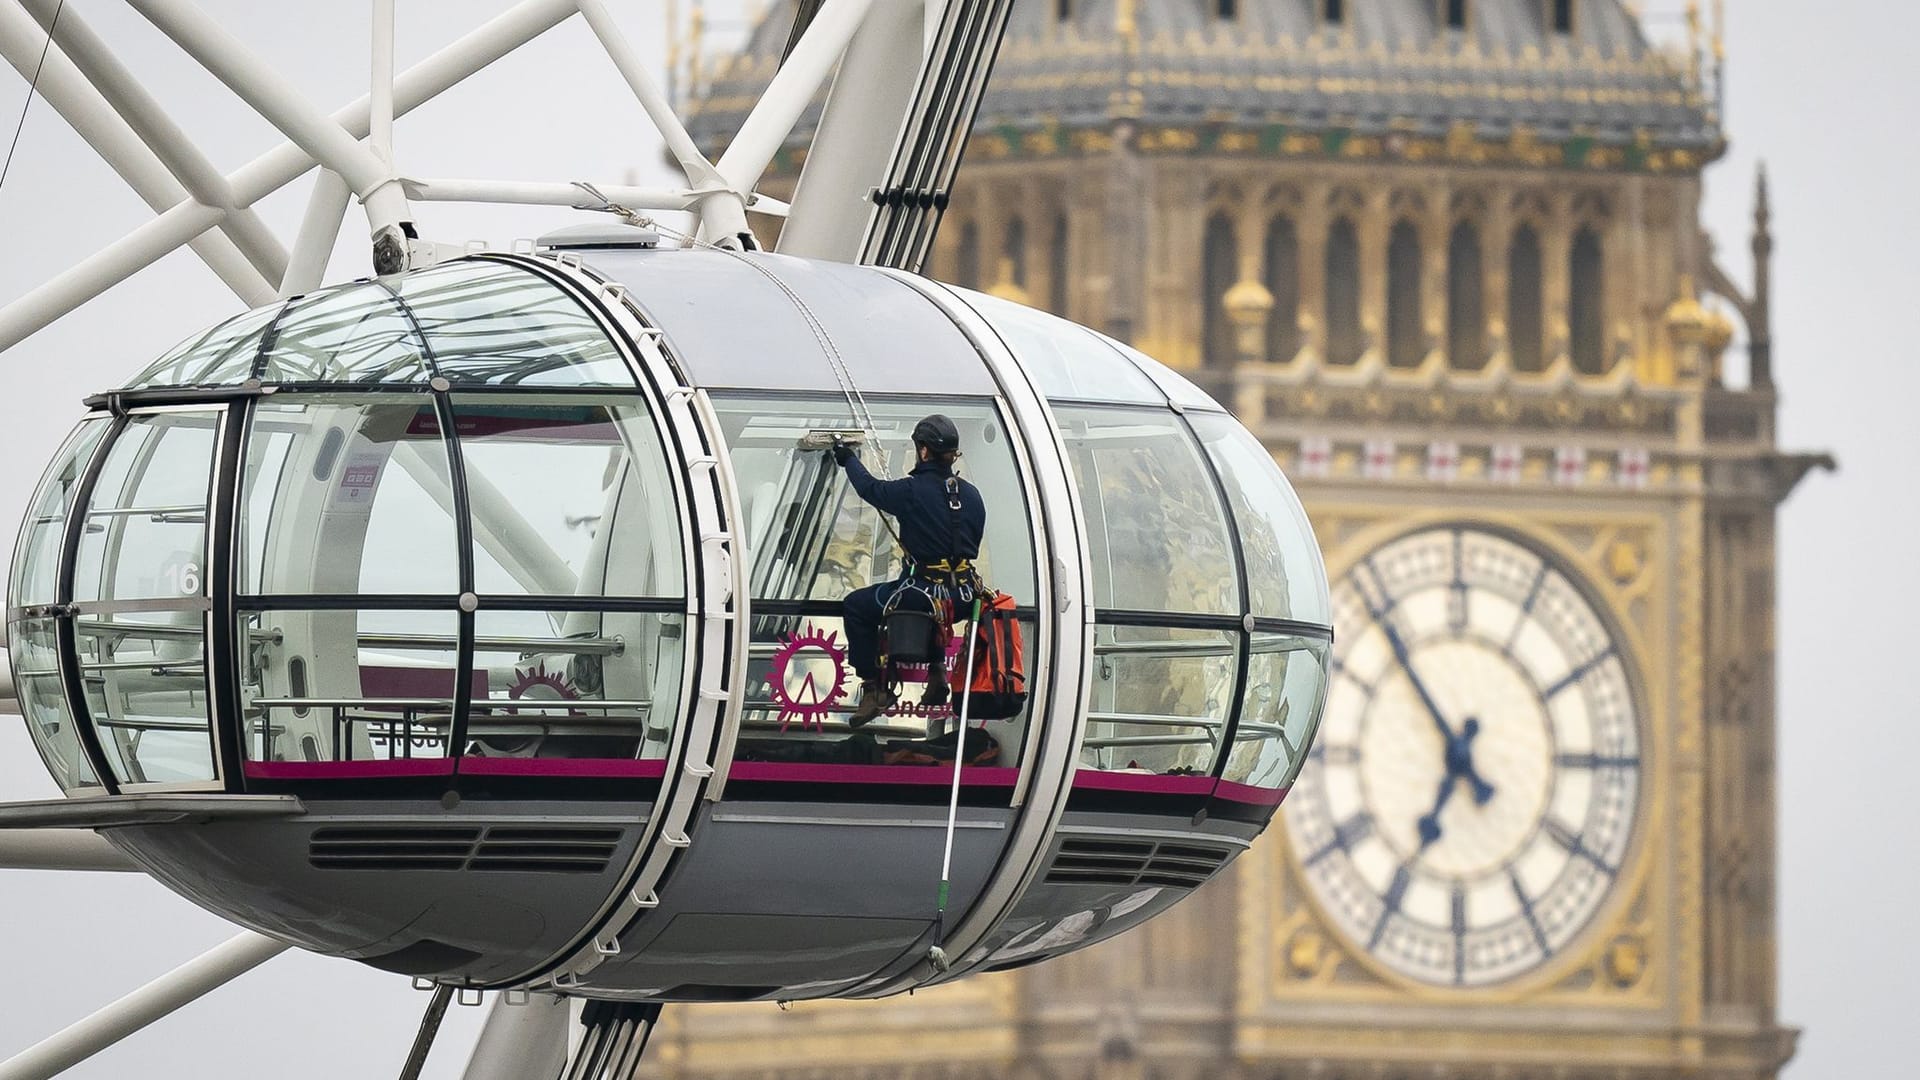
(1818,91)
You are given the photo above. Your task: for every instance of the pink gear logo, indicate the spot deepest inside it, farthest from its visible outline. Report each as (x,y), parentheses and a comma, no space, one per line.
(813,649)
(538,684)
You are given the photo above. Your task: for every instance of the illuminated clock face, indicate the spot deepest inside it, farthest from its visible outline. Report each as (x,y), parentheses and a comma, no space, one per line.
(1472,792)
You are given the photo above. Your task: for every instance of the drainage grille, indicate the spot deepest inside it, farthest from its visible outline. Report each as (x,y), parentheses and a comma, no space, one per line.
(1084,861)
(551,849)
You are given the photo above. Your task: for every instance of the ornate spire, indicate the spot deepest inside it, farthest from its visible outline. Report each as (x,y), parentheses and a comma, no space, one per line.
(1760,321)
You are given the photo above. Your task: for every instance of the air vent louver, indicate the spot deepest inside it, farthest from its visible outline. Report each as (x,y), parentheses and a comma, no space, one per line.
(552,849)
(1082,861)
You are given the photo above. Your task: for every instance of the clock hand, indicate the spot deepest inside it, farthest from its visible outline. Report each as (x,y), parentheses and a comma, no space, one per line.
(1429,825)
(1460,761)
(1406,664)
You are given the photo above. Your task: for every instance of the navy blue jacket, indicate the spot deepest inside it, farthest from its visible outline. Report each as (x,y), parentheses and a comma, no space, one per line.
(929,530)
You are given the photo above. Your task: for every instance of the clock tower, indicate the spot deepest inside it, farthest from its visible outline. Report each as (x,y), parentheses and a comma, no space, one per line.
(1445,258)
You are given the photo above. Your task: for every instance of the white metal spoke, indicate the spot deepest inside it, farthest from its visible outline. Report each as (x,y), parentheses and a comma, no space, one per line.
(262,88)
(181,986)
(524,1040)
(787,96)
(319,228)
(59,849)
(855,140)
(273,170)
(95,121)
(162,136)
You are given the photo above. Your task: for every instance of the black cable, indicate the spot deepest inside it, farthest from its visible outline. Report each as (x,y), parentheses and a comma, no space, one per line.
(33,85)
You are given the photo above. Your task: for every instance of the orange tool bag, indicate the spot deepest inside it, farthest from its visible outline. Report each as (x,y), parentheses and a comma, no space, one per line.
(996,687)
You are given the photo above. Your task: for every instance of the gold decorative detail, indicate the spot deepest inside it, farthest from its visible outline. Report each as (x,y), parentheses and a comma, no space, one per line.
(1306,953)
(1626,961)
(1625,560)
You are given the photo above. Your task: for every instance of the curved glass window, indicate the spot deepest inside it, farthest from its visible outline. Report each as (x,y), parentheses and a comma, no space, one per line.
(1285,577)
(224,355)
(1177,387)
(812,541)
(36,565)
(1156,531)
(1286,684)
(472,321)
(1163,689)
(31,642)
(357,333)
(140,592)
(1067,361)
(498,325)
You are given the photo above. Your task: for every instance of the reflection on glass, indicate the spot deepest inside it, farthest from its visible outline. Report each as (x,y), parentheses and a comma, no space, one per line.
(811,538)
(36,567)
(799,690)
(499,325)
(1067,361)
(1156,531)
(569,497)
(574,684)
(224,355)
(43,703)
(347,495)
(146,527)
(1176,386)
(347,686)
(1286,681)
(352,333)
(1284,573)
(145,676)
(1161,699)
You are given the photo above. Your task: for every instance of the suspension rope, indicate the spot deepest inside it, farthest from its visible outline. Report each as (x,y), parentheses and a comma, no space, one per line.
(936,954)
(33,87)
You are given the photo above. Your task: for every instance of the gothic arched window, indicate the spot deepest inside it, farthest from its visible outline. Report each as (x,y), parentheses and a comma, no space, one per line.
(1221,269)
(1466,300)
(1586,303)
(1283,282)
(1456,14)
(1015,251)
(1344,343)
(1526,329)
(966,257)
(1058,267)
(1405,344)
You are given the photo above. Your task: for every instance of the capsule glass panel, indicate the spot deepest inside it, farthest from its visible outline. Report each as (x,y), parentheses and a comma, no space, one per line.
(141,591)
(1157,533)
(36,564)
(1285,577)
(223,356)
(573,684)
(1067,362)
(357,333)
(342,692)
(569,496)
(811,541)
(495,324)
(1286,684)
(1161,699)
(346,495)
(32,647)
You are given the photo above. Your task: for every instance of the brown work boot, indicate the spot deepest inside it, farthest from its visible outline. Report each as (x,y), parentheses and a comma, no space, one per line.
(874,700)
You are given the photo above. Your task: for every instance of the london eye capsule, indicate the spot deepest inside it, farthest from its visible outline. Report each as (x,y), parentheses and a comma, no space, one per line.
(483,623)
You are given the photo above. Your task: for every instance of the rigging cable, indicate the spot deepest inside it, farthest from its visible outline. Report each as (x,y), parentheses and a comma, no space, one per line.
(33,87)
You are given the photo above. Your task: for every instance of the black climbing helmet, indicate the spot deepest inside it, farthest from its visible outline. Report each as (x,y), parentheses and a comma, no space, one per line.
(937,434)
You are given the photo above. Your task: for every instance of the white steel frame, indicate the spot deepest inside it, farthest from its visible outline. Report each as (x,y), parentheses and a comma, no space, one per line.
(352,147)
(351,151)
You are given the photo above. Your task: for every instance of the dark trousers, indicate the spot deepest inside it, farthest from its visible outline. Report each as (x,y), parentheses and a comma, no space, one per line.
(864,608)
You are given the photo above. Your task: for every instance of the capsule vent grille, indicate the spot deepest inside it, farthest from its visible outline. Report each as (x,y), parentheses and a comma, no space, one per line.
(1085,861)
(552,849)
